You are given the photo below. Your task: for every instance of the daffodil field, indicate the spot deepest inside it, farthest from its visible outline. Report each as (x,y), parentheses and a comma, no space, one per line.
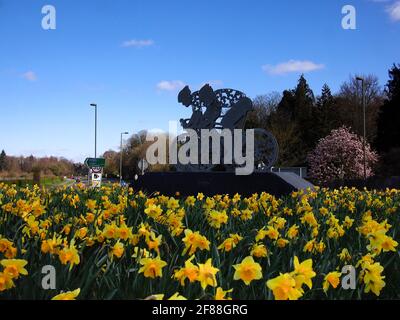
(115,243)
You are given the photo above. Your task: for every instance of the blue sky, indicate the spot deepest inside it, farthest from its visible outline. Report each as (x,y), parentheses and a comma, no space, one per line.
(131,57)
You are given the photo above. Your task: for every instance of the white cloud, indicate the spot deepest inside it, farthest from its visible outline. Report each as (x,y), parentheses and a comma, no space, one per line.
(30,76)
(137,43)
(394,11)
(292,66)
(172,85)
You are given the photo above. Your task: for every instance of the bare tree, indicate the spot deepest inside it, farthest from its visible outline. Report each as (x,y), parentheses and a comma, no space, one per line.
(263,106)
(350,104)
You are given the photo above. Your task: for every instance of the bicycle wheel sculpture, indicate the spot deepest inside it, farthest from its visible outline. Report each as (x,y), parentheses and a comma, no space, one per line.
(265,150)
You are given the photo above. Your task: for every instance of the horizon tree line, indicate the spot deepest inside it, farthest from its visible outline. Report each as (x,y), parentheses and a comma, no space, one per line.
(297,117)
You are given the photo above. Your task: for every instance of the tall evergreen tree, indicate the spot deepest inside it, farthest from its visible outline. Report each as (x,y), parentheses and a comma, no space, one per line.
(388,136)
(304,99)
(393,85)
(287,105)
(305,116)
(297,112)
(2,160)
(326,98)
(327,118)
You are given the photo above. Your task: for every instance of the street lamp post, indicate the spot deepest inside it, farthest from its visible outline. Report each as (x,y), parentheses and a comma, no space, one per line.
(364,125)
(120,160)
(95,128)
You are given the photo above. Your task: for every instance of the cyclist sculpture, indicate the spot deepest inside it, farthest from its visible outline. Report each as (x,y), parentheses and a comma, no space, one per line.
(225,109)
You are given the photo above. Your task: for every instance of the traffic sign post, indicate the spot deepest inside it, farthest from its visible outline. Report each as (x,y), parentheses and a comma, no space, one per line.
(96,166)
(95,162)
(143,165)
(97,170)
(96,180)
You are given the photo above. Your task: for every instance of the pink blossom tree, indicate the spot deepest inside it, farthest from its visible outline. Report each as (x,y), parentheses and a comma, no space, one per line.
(339,156)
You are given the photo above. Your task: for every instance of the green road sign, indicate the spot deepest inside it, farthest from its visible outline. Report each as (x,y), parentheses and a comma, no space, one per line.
(95,162)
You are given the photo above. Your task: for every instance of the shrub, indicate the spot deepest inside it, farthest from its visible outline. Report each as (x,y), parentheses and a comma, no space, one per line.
(340,156)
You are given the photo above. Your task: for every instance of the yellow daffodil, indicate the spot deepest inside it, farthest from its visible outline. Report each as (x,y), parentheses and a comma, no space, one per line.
(69,255)
(309,246)
(229,243)
(154,242)
(373,279)
(221,294)
(190,271)
(259,251)
(344,255)
(6,281)
(303,273)
(379,241)
(91,204)
(14,267)
(153,211)
(281,243)
(284,287)
(293,232)
(348,222)
(177,296)
(248,270)
(207,274)
(190,201)
(5,244)
(194,241)
(331,279)
(152,267)
(118,249)
(70,295)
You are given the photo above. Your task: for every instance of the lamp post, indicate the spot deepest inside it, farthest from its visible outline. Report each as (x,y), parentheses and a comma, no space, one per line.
(364,125)
(95,128)
(120,160)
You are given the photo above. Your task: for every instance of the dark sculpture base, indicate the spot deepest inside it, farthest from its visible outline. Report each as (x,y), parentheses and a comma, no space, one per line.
(212,183)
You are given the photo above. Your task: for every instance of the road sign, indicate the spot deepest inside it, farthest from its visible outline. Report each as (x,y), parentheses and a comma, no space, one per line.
(95,162)
(143,165)
(96,180)
(96,169)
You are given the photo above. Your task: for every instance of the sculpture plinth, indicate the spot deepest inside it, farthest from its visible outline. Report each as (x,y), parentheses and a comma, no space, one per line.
(212,183)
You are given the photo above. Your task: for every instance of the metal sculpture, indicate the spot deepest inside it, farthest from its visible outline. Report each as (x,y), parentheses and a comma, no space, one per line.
(225,109)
